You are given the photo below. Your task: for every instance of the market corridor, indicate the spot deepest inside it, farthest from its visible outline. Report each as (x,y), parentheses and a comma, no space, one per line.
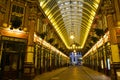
(72,73)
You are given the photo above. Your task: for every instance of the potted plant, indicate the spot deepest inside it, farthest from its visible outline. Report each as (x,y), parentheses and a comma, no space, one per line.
(94,39)
(56,45)
(51,40)
(42,35)
(99,32)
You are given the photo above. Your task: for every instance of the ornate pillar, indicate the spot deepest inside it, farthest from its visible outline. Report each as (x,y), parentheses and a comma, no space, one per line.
(50,59)
(29,66)
(45,23)
(117,11)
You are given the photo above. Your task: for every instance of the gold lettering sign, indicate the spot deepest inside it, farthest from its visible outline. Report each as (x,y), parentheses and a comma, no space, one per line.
(13,39)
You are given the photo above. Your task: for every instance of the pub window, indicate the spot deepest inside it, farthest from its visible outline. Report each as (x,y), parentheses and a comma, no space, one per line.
(14,17)
(3,1)
(13,8)
(17,13)
(21,10)
(17,9)
(40,24)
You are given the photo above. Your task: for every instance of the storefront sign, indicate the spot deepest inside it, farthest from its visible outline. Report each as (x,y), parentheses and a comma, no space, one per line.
(13,33)
(13,39)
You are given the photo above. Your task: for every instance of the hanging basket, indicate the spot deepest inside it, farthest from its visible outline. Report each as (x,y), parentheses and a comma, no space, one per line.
(42,35)
(51,40)
(99,32)
(94,39)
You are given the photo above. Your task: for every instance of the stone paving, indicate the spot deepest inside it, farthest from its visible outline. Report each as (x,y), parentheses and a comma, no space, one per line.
(72,73)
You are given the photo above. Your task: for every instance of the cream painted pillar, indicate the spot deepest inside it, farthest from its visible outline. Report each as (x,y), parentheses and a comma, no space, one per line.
(113,39)
(1,48)
(30,46)
(50,58)
(117,11)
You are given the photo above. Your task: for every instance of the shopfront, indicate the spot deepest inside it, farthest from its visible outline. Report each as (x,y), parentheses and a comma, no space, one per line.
(12,54)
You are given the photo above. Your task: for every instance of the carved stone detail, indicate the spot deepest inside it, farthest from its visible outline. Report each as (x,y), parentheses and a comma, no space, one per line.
(107,8)
(32,17)
(33,12)
(2,10)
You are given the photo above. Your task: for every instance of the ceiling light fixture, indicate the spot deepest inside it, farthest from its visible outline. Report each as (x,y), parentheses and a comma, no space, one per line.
(72,37)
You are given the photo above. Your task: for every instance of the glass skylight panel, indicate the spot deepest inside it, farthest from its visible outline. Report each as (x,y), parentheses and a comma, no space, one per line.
(74,15)
(60,7)
(61,4)
(63,15)
(71,13)
(68,12)
(74,2)
(75,7)
(80,14)
(62,11)
(67,8)
(59,1)
(67,18)
(75,12)
(67,3)
(80,10)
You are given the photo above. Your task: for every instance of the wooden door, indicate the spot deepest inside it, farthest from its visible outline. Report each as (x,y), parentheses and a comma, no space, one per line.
(10,65)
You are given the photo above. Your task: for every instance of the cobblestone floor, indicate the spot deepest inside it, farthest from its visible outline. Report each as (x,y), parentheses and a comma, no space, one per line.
(72,73)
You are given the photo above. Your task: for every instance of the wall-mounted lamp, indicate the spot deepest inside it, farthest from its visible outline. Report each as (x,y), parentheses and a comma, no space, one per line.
(11,28)
(20,29)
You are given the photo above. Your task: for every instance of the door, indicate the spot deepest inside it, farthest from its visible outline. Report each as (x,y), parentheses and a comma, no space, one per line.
(12,60)
(10,65)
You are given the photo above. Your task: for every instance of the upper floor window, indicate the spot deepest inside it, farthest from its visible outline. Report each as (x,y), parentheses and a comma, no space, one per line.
(17,15)
(17,9)
(3,1)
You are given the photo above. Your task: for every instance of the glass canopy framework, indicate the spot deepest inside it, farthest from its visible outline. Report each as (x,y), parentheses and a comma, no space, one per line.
(71,17)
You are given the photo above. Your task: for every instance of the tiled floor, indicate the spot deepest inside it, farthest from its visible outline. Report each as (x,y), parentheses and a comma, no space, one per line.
(72,73)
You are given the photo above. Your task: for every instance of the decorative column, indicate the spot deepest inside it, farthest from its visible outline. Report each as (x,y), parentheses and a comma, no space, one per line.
(117,11)
(29,66)
(50,60)
(45,23)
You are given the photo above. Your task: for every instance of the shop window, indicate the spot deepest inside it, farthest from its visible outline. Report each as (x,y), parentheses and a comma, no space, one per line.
(13,8)
(17,15)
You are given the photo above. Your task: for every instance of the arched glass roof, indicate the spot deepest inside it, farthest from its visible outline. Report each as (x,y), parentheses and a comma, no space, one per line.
(71,17)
